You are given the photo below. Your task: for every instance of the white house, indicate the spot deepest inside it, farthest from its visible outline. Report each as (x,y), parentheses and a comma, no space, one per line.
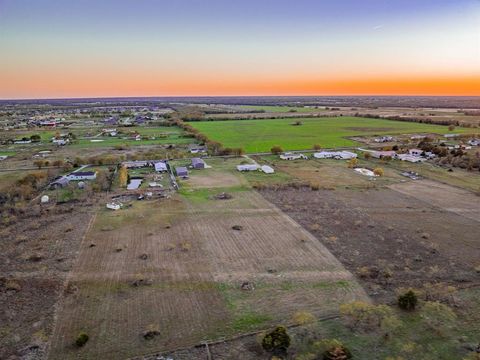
(338,155)
(415,152)
(292,156)
(383,154)
(410,158)
(267,169)
(82,175)
(474,142)
(247,167)
(60,142)
(383,139)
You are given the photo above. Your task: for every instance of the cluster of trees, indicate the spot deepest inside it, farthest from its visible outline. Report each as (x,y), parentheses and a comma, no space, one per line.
(453,157)
(426,120)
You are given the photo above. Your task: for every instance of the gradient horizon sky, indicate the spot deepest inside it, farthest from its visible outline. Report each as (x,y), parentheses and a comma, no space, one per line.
(87,48)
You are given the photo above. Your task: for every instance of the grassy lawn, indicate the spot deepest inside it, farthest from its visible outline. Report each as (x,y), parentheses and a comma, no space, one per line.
(261,135)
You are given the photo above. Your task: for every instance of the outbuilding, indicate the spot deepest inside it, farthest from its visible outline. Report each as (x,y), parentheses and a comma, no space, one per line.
(198,163)
(181,171)
(160,166)
(267,169)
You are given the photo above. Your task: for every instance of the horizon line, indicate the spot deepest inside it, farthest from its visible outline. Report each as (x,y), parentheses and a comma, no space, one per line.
(230,96)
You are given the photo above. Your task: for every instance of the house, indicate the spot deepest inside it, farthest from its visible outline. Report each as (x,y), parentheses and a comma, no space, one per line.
(23,141)
(195,149)
(109,132)
(415,152)
(338,155)
(418,137)
(292,156)
(60,142)
(136,137)
(160,167)
(198,163)
(383,139)
(383,154)
(247,167)
(451,135)
(181,171)
(3,157)
(82,175)
(267,169)
(474,142)
(135,164)
(60,182)
(410,158)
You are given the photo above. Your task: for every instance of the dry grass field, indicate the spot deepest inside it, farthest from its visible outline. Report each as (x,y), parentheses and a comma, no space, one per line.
(177,266)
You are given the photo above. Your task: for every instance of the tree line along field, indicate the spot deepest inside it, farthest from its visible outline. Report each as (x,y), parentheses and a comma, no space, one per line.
(262,135)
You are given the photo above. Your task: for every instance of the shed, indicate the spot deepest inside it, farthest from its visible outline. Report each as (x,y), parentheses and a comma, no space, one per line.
(181,171)
(267,169)
(198,163)
(160,167)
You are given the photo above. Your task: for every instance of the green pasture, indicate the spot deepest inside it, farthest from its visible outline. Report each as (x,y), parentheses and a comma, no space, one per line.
(262,135)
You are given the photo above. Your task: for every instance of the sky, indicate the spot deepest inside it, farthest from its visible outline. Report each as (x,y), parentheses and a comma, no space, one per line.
(92,48)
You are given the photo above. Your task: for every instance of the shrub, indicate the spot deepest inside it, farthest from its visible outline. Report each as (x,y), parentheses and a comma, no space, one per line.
(367,155)
(317,147)
(276,150)
(82,339)
(276,342)
(408,300)
(378,171)
(337,353)
(367,317)
(451,127)
(303,317)
(352,163)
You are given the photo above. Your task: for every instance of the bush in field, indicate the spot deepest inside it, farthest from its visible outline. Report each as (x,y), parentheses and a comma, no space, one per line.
(276,150)
(407,301)
(367,156)
(303,317)
(277,341)
(437,316)
(378,171)
(366,317)
(451,127)
(352,163)
(317,147)
(82,339)
(337,353)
